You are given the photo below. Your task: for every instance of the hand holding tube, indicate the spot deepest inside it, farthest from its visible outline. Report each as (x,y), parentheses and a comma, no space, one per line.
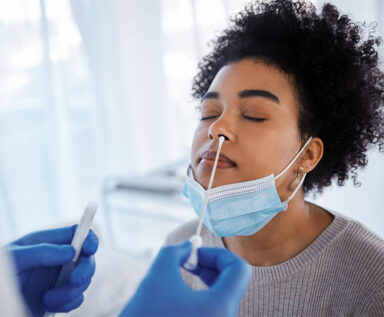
(38,258)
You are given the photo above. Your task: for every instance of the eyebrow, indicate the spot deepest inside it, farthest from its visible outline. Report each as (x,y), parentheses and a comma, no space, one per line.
(210,95)
(245,94)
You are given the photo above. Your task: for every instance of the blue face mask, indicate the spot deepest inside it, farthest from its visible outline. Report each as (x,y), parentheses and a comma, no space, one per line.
(239,209)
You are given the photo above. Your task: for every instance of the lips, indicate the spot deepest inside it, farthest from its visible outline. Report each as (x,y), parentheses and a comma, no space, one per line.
(224,161)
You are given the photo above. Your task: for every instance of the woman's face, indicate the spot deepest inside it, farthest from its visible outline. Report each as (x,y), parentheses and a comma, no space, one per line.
(254,107)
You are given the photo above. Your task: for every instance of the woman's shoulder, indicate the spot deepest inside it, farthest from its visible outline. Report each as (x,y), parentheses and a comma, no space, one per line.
(360,236)
(362,245)
(182,232)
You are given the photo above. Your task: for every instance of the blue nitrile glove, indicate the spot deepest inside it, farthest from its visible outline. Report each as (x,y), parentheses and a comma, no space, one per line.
(38,258)
(164,293)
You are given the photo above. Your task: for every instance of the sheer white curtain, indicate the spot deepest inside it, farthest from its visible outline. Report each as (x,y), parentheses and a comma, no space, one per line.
(35,138)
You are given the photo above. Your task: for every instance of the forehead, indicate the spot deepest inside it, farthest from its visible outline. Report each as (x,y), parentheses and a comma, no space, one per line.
(252,74)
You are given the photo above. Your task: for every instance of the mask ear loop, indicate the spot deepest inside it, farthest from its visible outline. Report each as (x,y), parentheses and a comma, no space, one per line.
(196,240)
(294,159)
(285,203)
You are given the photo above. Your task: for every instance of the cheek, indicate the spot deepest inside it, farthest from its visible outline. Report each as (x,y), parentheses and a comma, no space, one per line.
(267,149)
(257,157)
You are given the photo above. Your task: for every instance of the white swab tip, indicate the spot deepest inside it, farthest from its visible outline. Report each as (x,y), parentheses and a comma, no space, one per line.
(192,261)
(196,241)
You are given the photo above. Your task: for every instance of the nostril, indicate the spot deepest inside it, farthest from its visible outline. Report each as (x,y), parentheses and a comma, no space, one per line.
(226,138)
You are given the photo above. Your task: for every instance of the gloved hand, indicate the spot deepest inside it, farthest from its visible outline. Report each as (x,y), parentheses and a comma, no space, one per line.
(38,258)
(164,293)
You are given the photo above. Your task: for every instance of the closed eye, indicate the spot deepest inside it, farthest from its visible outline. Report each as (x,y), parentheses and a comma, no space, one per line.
(254,119)
(245,117)
(208,118)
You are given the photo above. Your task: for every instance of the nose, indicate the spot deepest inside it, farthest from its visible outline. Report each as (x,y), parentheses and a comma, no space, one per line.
(221,127)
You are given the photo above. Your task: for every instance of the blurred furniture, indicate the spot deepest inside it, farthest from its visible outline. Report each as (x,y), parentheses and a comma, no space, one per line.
(141,210)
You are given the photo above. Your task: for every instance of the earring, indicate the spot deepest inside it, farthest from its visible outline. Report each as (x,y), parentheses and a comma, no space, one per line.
(296,181)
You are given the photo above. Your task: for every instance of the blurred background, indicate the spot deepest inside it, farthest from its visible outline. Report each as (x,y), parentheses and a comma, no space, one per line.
(95,105)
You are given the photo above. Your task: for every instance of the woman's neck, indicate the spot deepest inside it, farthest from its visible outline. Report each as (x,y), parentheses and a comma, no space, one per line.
(285,236)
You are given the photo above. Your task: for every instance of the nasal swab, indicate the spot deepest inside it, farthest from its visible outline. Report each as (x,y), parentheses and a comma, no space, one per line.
(77,243)
(196,240)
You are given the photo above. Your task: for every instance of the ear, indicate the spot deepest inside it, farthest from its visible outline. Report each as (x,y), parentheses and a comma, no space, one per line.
(312,154)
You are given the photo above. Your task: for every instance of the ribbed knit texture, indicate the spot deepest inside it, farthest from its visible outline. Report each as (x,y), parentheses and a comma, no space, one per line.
(340,274)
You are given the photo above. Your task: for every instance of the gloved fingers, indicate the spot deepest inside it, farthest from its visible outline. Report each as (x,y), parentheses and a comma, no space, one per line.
(90,244)
(56,236)
(60,236)
(235,275)
(41,255)
(208,276)
(68,306)
(176,253)
(83,271)
(171,257)
(207,268)
(216,258)
(232,270)
(62,295)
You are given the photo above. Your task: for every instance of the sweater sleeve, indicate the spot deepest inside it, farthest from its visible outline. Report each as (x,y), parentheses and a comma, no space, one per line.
(376,307)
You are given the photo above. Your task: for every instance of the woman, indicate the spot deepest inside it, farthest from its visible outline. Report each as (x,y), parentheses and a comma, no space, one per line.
(282,81)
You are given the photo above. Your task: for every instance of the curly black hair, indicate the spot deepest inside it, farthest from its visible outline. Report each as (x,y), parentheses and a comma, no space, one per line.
(334,66)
